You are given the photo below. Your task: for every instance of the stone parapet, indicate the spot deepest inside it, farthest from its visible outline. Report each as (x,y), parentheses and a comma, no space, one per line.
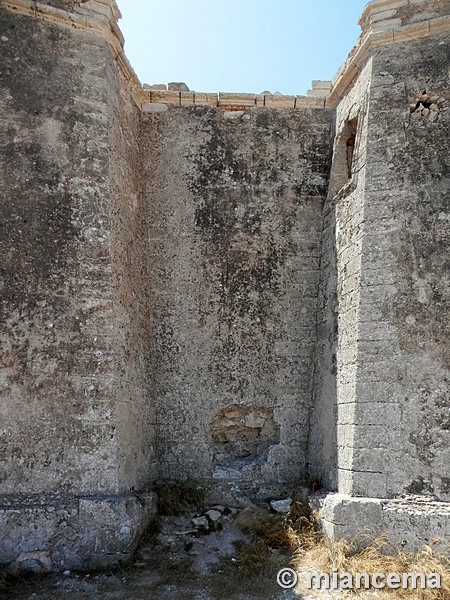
(383,22)
(387,22)
(227,101)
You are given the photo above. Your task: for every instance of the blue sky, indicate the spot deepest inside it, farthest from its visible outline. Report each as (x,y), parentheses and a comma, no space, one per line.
(239,45)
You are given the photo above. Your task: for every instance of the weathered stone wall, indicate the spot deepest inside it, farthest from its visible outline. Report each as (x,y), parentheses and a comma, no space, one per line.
(322,445)
(57,404)
(135,415)
(391,215)
(403,320)
(347,189)
(183,295)
(74,303)
(76,410)
(235,205)
(331,437)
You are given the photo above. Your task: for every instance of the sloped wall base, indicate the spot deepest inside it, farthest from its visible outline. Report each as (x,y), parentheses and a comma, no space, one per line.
(409,523)
(52,532)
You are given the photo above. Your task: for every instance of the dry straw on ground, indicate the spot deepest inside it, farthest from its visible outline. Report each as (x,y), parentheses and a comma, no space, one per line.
(298,534)
(363,555)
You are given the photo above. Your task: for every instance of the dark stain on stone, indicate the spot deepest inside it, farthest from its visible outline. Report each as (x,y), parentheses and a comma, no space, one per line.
(419,486)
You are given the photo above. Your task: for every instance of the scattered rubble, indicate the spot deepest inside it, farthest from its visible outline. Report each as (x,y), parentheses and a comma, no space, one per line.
(281,506)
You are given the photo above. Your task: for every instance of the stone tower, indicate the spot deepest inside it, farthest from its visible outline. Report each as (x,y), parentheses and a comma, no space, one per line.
(240,289)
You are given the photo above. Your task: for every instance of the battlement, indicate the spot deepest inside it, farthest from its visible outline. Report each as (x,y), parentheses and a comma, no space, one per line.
(383,22)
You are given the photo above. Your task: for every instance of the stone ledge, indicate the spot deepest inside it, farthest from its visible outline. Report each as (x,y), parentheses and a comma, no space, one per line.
(408,523)
(53,532)
(229,101)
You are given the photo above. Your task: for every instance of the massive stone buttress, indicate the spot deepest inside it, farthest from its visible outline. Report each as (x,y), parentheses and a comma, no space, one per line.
(381,431)
(76,412)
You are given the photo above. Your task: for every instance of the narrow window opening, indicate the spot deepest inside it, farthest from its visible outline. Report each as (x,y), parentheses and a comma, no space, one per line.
(350,145)
(344,156)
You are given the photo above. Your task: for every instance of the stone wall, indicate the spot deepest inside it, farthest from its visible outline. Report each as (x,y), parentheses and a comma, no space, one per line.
(229,287)
(235,203)
(322,444)
(403,332)
(131,325)
(331,438)
(76,410)
(57,384)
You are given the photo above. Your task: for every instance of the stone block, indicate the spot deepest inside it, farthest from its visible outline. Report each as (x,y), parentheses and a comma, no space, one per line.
(378,7)
(51,532)
(177,86)
(233,115)
(302,102)
(260,100)
(320,93)
(409,33)
(31,562)
(155,86)
(187,98)
(439,25)
(409,523)
(237,99)
(202,99)
(107,9)
(318,84)
(358,483)
(276,101)
(166,97)
(154,107)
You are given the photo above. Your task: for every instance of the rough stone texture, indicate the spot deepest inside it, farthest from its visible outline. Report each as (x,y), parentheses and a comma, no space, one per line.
(234,235)
(56,296)
(322,447)
(391,390)
(402,420)
(75,394)
(184,295)
(335,363)
(73,284)
(132,329)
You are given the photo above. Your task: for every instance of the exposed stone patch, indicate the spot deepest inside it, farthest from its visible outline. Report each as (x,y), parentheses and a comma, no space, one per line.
(243,432)
(428,105)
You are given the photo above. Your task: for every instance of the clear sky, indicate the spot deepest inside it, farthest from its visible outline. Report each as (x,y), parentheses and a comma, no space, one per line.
(239,45)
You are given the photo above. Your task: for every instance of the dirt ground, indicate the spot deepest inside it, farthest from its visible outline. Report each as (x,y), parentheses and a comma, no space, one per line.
(211,554)
(180,560)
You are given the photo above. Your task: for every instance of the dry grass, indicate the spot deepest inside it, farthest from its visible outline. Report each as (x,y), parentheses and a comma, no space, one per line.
(298,534)
(251,570)
(317,553)
(177,497)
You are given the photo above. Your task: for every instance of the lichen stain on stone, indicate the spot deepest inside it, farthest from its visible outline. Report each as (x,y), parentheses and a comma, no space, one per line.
(243,432)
